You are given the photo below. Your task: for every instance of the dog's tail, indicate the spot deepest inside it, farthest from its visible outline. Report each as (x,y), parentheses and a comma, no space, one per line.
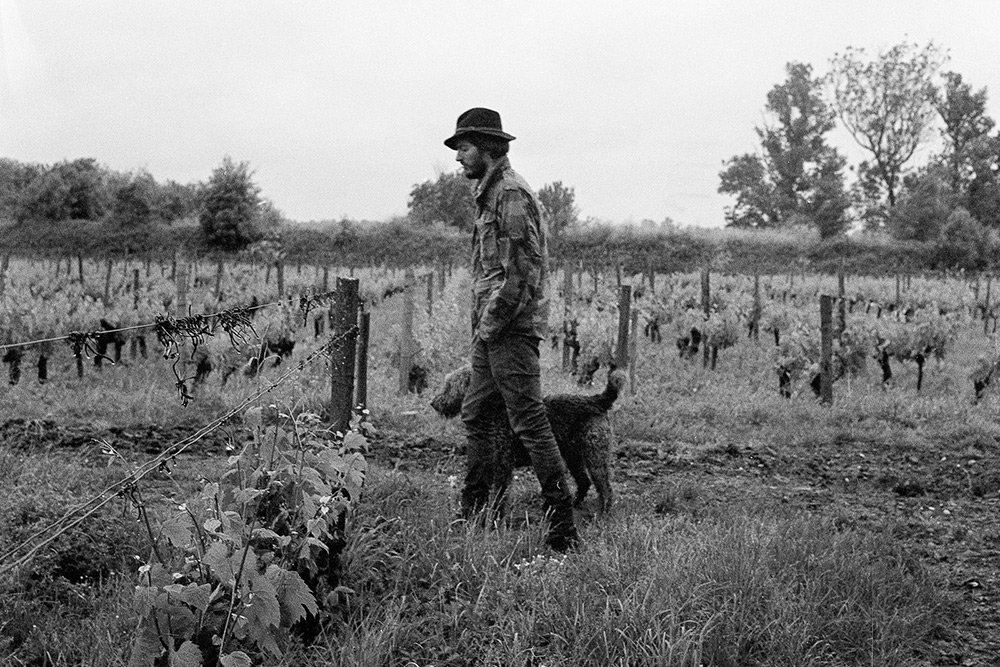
(607,398)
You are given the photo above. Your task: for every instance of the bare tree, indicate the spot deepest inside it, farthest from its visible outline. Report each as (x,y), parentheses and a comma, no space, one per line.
(887,104)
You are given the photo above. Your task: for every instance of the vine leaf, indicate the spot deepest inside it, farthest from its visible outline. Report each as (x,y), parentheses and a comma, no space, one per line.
(177,529)
(262,613)
(236,659)
(294,596)
(193,595)
(188,655)
(147,647)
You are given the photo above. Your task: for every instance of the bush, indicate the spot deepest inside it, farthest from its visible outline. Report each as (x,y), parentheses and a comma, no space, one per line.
(964,243)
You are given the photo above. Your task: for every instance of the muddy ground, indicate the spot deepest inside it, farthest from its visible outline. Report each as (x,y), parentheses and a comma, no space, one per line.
(944,509)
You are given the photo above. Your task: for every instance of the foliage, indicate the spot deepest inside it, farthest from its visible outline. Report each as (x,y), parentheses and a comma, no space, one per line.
(448,200)
(745,177)
(887,104)
(797,174)
(233,214)
(256,553)
(964,243)
(74,190)
(559,203)
(14,180)
(135,203)
(176,201)
(983,194)
(923,206)
(966,125)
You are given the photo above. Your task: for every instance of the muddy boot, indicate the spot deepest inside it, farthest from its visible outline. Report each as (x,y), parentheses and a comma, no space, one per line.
(562,536)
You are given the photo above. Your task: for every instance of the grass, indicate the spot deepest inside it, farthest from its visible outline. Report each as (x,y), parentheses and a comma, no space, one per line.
(656,584)
(737,588)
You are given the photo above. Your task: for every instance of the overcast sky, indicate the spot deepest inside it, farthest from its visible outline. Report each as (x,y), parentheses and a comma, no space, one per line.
(341,107)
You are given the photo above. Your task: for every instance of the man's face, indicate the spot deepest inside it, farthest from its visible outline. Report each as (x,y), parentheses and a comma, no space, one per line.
(474,163)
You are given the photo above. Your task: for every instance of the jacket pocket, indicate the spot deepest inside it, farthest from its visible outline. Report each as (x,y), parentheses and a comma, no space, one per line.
(489,242)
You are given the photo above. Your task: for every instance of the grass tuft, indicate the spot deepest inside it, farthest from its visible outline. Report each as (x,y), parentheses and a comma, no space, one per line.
(740,588)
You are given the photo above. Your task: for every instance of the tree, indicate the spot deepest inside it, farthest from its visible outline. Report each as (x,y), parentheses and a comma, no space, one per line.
(76,190)
(798,175)
(560,205)
(134,203)
(745,177)
(887,104)
(177,201)
(231,207)
(447,200)
(983,192)
(966,127)
(964,243)
(15,178)
(925,202)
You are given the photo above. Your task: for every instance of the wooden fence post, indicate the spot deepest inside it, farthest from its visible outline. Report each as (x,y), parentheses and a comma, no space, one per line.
(633,350)
(841,303)
(79,266)
(986,304)
(567,349)
(279,269)
(406,334)
(107,283)
(343,320)
(757,308)
(624,315)
(826,349)
(706,305)
(220,268)
(361,362)
(135,289)
(430,294)
(181,264)
(3,273)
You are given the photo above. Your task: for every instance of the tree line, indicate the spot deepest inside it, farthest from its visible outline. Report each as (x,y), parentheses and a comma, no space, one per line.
(894,105)
(228,206)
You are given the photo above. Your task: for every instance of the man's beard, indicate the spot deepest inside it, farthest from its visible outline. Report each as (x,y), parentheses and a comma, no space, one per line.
(475,172)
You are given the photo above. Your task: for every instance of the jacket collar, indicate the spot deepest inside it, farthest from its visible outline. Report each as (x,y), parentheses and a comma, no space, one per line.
(491,175)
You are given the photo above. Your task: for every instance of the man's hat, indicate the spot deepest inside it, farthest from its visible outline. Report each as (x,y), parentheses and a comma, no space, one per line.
(477,121)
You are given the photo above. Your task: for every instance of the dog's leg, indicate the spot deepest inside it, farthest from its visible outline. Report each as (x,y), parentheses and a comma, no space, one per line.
(597,453)
(578,470)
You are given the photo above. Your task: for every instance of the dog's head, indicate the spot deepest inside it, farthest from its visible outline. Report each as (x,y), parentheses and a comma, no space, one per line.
(448,401)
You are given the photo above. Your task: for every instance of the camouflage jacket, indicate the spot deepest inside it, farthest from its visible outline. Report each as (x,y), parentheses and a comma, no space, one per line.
(508,257)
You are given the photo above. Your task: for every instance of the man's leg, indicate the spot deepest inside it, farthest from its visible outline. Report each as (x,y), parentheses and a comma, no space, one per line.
(478,410)
(517,374)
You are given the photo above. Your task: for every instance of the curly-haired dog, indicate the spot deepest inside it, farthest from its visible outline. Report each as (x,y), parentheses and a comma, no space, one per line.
(579,423)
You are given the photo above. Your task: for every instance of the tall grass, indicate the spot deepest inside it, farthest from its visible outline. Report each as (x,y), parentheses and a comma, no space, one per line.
(736,588)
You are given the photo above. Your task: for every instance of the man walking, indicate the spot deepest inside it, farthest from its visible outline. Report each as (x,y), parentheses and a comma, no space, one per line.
(509,317)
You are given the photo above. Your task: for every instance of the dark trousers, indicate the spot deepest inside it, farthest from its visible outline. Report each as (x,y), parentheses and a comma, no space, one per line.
(506,375)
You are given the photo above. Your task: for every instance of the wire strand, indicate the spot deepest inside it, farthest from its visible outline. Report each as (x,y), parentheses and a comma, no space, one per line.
(60,527)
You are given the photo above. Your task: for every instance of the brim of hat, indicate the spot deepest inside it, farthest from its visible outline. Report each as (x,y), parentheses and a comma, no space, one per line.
(452,141)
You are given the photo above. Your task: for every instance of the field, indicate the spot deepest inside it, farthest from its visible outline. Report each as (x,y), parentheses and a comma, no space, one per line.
(750,528)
